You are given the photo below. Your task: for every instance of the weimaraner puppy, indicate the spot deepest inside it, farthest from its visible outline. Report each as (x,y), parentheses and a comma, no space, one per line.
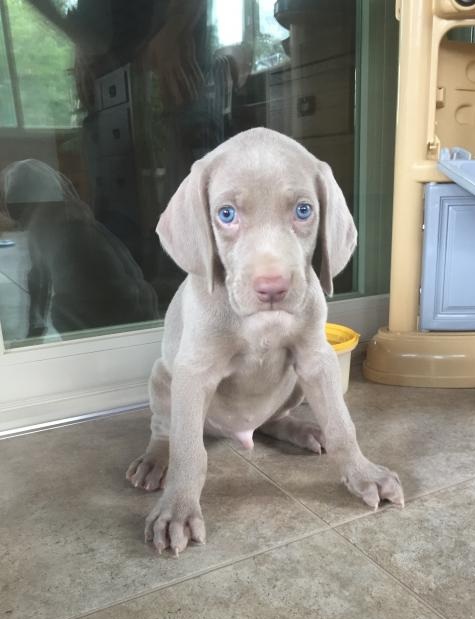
(244,338)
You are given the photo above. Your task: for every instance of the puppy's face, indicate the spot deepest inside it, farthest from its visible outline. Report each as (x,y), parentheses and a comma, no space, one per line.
(264,214)
(257,201)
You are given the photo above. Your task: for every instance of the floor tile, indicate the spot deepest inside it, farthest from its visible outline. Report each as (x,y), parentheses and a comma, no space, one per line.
(426,435)
(71,528)
(14,304)
(429,546)
(320,577)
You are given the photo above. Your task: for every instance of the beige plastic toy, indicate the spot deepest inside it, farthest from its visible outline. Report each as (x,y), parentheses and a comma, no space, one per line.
(436,108)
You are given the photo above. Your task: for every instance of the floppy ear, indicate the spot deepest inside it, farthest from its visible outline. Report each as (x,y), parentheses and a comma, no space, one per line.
(184,227)
(337,231)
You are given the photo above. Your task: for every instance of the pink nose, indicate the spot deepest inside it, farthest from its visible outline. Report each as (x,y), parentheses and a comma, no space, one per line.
(271,289)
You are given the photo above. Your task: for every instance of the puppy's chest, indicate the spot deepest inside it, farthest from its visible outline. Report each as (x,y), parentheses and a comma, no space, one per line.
(264,354)
(260,362)
(265,359)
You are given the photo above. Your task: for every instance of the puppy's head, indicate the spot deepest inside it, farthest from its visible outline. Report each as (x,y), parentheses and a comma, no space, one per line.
(252,210)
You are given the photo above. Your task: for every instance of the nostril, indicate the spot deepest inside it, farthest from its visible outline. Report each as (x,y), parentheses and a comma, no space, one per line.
(264,296)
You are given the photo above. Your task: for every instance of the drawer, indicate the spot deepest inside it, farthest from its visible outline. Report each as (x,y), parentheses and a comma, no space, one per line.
(323,103)
(117,183)
(313,101)
(114,132)
(113,88)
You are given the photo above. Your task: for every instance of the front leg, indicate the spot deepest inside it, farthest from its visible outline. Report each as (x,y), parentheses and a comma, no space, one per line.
(177,516)
(39,288)
(319,375)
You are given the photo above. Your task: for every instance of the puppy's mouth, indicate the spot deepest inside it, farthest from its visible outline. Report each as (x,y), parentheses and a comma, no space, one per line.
(272,306)
(288,307)
(264,309)
(273,315)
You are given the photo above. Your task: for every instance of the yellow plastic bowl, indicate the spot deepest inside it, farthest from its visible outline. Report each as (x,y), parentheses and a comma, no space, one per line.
(343,341)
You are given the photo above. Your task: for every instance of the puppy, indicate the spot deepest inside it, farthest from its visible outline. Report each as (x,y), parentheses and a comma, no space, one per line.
(244,338)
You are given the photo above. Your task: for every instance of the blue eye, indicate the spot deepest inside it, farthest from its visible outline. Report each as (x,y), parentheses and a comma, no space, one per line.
(303,211)
(227,214)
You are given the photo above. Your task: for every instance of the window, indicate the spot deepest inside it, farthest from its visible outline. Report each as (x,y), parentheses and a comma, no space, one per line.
(228,21)
(270,38)
(41,73)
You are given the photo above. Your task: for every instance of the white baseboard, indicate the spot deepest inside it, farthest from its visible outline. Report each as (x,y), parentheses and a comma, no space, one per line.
(28,416)
(52,383)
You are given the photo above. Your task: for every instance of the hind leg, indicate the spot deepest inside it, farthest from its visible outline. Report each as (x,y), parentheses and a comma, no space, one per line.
(289,428)
(148,470)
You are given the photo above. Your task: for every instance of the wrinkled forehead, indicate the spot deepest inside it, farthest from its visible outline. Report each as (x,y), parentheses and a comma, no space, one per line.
(261,173)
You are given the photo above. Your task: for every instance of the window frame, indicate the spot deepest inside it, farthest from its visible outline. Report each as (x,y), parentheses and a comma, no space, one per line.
(11,63)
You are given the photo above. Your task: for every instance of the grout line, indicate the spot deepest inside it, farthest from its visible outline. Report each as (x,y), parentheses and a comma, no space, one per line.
(369,513)
(200,573)
(278,486)
(408,501)
(423,495)
(391,576)
(330,525)
(252,555)
(389,506)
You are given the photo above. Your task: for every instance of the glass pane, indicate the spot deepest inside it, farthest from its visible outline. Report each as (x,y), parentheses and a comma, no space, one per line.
(159,84)
(227,21)
(7,108)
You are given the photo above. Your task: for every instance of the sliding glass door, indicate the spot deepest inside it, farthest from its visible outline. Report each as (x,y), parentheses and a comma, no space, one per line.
(104,106)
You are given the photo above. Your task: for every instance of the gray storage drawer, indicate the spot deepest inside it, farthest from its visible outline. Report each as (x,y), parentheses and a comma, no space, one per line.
(448,264)
(112,89)
(115,136)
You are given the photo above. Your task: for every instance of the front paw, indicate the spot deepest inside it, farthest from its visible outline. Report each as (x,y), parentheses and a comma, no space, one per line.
(175,519)
(373,483)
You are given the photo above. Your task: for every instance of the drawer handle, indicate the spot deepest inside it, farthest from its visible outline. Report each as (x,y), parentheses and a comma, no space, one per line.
(116,133)
(112,91)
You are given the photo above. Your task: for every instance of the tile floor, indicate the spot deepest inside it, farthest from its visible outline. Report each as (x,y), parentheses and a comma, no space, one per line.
(285,539)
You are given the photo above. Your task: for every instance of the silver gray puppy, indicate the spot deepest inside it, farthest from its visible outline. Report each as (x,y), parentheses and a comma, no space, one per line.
(244,337)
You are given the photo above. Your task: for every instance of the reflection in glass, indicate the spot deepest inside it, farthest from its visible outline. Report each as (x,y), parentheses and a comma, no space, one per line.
(108,114)
(79,272)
